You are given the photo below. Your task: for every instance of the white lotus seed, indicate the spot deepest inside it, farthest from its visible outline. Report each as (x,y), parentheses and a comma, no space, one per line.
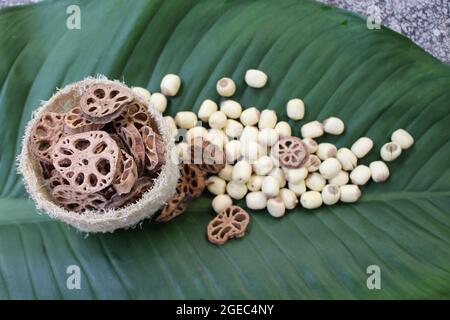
(315,181)
(333,125)
(158,101)
(226,173)
(311,200)
(250,133)
(276,207)
(255,183)
(186,119)
(331,194)
(296,175)
(221,202)
(256,200)
(231,108)
(242,171)
(170,123)
(255,78)
(340,179)
(289,198)
(236,190)
(217,137)
(347,159)
(207,108)
(278,174)
(170,85)
(267,137)
(283,129)
(311,145)
(250,116)
(183,151)
(270,186)
(402,138)
(362,146)
(379,170)
(250,150)
(350,193)
(360,175)
(263,165)
(329,168)
(267,119)
(217,120)
(326,150)
(226,87)
(142,92)
(233,128)
(216,185)
(390,151)
(295,109)
(298,188)
(313,129)
(313,163)
(195,132)
(233,150)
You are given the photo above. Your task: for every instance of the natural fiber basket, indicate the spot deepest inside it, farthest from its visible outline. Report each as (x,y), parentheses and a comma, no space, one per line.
(94,221)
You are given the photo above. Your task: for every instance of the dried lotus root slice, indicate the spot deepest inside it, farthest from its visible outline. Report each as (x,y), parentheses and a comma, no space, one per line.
(291,152)
(192,180)
(87,160)
(141,186)
(76,201)
(45,134)
(118,140)
(46,169)
(231,222)
(56,179)
(126,175)
(133,140)
(176,206)
(154,149)
(76,122)
(136,114)
(207,156)
(102,103)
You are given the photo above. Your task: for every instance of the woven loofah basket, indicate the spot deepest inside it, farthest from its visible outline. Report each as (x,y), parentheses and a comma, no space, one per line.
(93,221)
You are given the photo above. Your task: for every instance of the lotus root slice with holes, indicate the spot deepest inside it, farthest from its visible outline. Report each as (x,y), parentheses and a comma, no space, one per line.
(141,186)
(76,201)
(192,180)
(102,103)
(56,179)
(176,206)
(231,222)
(133,140)
(134,113)
(207,156)
(87,160)
(45,134)
(126,175)
(291,152)
(154,149)
(76,122)
(46,169)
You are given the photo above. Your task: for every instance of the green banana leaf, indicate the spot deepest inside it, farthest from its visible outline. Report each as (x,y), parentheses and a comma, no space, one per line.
(375,80)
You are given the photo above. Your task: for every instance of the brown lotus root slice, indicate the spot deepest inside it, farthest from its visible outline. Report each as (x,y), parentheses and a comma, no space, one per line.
(76,122)
(126,175)
(72,200)
(291,152)
(207,156)
(192,180)
(176,206)
(45,134)
(141,186)
(231,222)
(136,114)
(102,103)
(133,140)
(87,160)
(154,149)
(56,179)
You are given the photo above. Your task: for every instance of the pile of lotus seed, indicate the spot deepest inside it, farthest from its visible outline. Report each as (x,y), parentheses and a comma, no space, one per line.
(326,175)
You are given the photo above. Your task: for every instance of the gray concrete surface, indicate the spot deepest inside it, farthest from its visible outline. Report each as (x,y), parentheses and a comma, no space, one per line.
(426,22)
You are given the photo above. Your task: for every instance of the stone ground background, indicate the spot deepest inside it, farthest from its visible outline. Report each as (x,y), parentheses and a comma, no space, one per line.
(426,22)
